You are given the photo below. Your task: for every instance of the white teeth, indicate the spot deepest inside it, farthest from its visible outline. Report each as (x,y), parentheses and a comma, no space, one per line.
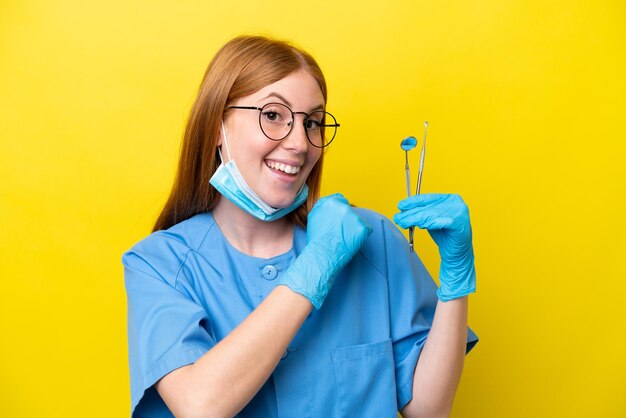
(289,169)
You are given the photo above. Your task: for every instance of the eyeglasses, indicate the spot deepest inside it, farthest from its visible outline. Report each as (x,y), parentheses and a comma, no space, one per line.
(276,122)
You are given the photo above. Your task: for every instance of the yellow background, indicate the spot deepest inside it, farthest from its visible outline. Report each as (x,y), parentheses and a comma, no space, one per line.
(526,104)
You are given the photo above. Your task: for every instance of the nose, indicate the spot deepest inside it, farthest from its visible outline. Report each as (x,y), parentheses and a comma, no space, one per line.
(297,139)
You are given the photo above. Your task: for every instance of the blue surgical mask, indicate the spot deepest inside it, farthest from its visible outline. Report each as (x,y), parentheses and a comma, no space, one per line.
(228,180)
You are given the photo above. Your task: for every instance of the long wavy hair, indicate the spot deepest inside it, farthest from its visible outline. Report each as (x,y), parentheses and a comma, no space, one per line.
(243,66)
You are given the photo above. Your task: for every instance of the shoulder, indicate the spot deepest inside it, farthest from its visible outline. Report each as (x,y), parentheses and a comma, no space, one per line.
(385,239)
(371,216)
(162,253)
(383,228)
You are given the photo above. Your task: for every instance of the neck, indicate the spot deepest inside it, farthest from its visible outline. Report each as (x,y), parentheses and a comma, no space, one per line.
(250,235)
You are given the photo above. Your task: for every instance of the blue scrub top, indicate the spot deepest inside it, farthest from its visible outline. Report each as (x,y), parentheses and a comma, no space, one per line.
(188,288)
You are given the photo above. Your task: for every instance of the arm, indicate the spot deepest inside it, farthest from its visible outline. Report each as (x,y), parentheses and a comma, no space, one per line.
(228,376)
(440,364)
(438,370)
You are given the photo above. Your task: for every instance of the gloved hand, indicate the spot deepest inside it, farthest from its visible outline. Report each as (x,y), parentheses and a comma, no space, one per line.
(446,217)
(334,235)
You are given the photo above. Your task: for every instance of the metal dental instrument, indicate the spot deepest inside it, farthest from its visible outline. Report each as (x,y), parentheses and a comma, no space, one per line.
(408,144)
(419,175)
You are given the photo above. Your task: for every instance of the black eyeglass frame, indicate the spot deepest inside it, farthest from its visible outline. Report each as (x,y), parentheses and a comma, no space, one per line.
(293,118)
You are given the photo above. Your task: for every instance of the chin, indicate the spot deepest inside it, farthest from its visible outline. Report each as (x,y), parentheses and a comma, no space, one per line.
(278,203)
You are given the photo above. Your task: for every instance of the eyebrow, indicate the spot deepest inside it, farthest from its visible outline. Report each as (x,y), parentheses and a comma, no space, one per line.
(285,101)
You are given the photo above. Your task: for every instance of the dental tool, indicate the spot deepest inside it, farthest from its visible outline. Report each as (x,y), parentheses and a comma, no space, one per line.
(408,144)
(419,175)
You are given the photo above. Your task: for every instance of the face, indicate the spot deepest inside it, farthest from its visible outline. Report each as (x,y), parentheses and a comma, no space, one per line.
(275,170)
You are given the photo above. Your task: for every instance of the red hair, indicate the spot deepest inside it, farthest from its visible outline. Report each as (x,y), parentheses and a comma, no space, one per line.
(243,66)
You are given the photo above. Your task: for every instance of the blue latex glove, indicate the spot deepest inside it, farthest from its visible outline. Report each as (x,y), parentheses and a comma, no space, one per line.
(446,217)
(334,235)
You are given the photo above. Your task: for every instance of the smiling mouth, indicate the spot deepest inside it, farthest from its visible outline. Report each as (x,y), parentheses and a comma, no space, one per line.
(285,168)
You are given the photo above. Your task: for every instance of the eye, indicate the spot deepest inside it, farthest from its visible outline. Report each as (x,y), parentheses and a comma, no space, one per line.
(313,125)
(275,114)
(315,121)
(270,116)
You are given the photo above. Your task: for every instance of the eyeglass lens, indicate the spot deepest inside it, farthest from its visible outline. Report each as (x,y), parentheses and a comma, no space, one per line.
(276,122)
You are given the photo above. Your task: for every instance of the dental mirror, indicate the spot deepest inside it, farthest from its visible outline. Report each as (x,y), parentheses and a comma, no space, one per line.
(407,144)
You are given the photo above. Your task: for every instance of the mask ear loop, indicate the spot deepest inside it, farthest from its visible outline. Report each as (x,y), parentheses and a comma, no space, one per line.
(219,150)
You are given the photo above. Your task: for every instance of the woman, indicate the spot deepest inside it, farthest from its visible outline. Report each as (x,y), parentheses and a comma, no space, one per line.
(255,298)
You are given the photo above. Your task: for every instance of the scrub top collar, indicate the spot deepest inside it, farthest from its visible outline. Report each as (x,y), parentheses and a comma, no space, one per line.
(269,268)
